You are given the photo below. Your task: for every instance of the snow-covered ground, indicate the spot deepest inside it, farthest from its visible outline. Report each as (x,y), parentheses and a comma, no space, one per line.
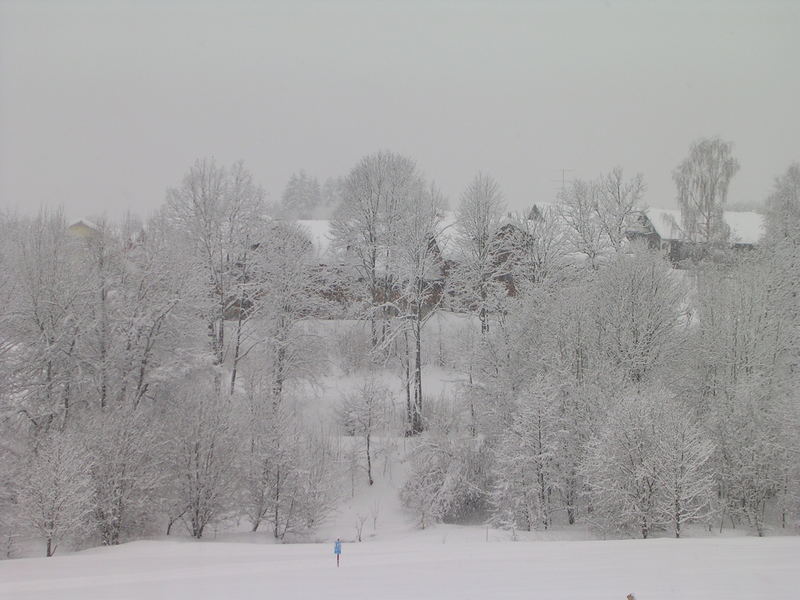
(417,567)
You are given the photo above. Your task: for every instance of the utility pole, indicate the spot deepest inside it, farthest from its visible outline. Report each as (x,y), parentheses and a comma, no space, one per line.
(563,181)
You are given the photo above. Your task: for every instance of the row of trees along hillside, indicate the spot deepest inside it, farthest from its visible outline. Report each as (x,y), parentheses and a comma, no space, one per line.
(152,373)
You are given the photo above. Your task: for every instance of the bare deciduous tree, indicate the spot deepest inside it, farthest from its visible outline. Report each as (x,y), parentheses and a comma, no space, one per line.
(218,212)
(285,292)
(782,217)
(702,180)
(127,473)
(301,197)
(363,413)
(420,286)
(202,454)
(538,246)
(48,317)
(683,452)
(55,495)
(617,201)
(366,226)
(585,233)
(638,311)
(481,250)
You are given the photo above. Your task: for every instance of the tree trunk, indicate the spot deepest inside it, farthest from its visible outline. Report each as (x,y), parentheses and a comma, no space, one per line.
(417,425)
(369,461)
(103,335)
(215,333)
(278,375)
(409,407)
(197,524)
(375,293)
(236,348)
(276,528)
(484,318)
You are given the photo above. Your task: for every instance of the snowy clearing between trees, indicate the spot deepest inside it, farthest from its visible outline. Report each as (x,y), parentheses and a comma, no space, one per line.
(419,567)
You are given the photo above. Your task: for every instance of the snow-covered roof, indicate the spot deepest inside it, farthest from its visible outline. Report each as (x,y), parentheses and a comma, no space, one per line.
(83,228)
(746,227)
(666,222)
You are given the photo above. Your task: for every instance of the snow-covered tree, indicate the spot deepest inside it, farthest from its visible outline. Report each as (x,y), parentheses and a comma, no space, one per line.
(286,474)
(318,485)
(702,179)
(585,233)
(420,286)
(218,215)
(752,457)
(363,413)
(302,196)
(126,448)
(538,246)
(547,358)
(100,255)
(648,467)
(638,308)
(288,296)
(782,215)
(332,193)
(477,279)
(46,321)
(597,213)
(8,291)
(745,376)
(525,480)
(149,315)
(617,201)
(366,228)
(685,478)
(202,454)
(621,468)
(55,494)
(448,477)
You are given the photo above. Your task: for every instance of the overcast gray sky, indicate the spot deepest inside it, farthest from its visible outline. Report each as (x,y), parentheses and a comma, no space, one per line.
(103,105)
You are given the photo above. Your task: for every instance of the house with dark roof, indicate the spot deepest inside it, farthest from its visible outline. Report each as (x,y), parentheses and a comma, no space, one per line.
(661,229)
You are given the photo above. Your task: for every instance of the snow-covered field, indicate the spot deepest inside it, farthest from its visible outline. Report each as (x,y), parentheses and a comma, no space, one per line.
(417,567)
